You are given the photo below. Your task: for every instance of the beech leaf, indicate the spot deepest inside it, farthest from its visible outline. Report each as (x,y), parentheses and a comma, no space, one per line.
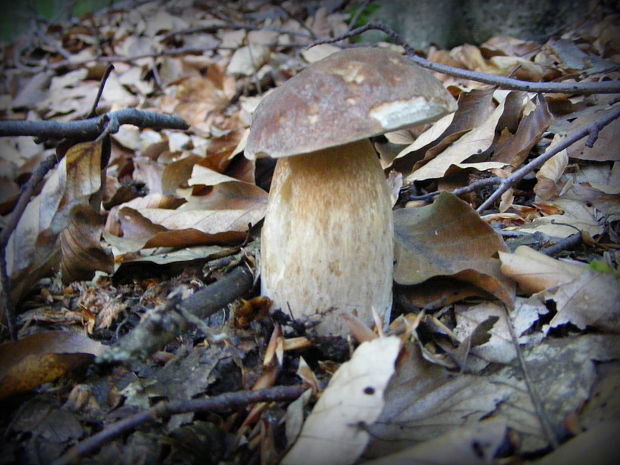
(448,238)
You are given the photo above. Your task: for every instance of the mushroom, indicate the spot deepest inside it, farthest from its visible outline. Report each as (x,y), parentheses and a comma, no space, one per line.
(327,238)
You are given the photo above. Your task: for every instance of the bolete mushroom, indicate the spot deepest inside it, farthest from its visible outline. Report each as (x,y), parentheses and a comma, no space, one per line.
(327,238)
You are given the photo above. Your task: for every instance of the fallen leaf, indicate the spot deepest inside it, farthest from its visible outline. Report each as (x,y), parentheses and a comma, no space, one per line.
(82,251)
(41,358)
(535,271)
(563,371)
(531,128)
(477,444)
(592,299)
(333,433)
(474,142)
(424,401)
(448,238)
(32,249)
(547,187)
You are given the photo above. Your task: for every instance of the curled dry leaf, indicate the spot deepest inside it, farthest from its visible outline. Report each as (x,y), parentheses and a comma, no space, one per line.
(82,252)
(531,128)
(332,433)
(473,109)
(448,238)
(41,358)
(548,176)
(475,141)
(32,249)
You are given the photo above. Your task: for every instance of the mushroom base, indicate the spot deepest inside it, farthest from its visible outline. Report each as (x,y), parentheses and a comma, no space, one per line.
(327,239)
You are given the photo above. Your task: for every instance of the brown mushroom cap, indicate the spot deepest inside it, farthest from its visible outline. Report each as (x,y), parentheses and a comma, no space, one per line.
(348,96)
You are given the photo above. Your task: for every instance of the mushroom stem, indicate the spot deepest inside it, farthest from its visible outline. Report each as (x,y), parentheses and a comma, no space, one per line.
(327,245)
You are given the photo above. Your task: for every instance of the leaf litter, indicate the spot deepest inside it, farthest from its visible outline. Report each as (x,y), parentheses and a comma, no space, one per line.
(178,208)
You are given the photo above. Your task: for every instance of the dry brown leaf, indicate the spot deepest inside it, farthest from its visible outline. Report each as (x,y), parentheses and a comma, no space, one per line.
(474,142)
(593,299)
(535,271)
(531,128)
(439,291)
(331,434)
(423,401)
(32,249)
(473,109)
(548,176)
(448,238)
(453,447)
(606,146)
(575,216)
(41,358)
(246,61)
(82,251)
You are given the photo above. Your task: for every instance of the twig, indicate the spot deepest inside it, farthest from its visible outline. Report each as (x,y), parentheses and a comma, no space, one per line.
(563,244)
(22,202)
(459,190)
(104,78)
(358,13)
(227,401)
(251,27)
(537,162)
(604,87)
(91,127)
(164,323)
(303,25)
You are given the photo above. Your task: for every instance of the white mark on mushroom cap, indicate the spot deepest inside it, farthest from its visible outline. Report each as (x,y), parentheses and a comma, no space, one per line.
(351,73)
(398,113)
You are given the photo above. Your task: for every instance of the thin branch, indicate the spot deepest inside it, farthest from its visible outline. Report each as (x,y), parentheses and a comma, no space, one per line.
(227,401)
(301,23)
(603,87)
(563,244)
(104,78)
(250,27)
(163,324)
(537,162)
(91,127)
(474,186)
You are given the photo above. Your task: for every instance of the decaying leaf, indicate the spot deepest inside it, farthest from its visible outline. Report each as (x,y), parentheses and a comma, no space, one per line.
(473,445)
(33,247)
(592,299)
(475,141)
(41,358)
(424,401)
(562,371)
(333,433)
(448,238)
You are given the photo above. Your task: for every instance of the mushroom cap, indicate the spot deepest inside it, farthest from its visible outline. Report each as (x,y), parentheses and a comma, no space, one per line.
(348,96)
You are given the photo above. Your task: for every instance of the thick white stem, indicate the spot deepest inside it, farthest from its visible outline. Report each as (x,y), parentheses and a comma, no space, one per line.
(327,240)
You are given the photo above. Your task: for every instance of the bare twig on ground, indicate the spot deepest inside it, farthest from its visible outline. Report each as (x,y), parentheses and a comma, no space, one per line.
(227,401)
(163,324)
(459,190)
(563,244)
(603,87)
(92,127)
(591,130)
